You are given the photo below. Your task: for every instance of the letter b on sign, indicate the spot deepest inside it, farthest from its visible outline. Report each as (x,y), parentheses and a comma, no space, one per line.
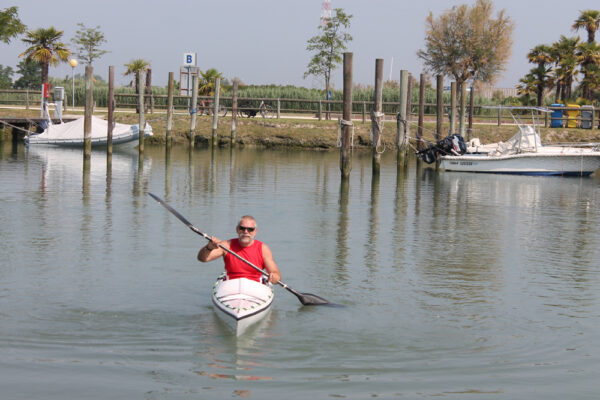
(189,59)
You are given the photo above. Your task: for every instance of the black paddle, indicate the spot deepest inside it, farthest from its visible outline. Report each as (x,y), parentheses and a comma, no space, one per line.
(306,299)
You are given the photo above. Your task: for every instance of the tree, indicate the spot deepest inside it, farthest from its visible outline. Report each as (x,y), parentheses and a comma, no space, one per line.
(88,42)
(6,74)
(526,88)
(590,21)
(588,55)
(46,48)
(565,61)
(328,47)
(10,24)
(206,85)
(136,67)
(466,43)
(30,72)
(541,55)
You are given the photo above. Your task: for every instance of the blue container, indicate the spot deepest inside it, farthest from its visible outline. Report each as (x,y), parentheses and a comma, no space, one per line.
(556,116)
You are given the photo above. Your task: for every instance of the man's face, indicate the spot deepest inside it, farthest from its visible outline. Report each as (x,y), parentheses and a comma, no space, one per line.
(246,231)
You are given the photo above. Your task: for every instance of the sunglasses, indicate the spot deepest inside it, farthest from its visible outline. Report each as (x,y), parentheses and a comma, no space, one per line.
(246,228)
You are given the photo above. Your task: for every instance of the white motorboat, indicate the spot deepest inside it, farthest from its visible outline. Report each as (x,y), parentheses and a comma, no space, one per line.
(522,154)
(241,302)
(70,134)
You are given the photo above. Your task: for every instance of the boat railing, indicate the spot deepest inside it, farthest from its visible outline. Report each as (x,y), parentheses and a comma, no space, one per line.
(535,122)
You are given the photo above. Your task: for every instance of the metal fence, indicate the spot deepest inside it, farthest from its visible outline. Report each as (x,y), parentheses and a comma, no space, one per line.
(570,117)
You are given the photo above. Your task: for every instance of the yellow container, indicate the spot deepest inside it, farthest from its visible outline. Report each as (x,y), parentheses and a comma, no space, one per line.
(572,115)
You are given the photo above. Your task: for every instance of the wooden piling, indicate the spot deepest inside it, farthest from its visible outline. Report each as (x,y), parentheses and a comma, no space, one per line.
(171,86)
(377,116)
(409,106)
(463,108)
(471,107)
(111,109)
(439,107)
(421,111)
(215,122)
(401,119)
(345,155)
(87,115)
(320,112)
(234,110)
(194,110)
(148,89)
(452,108)
(142,120)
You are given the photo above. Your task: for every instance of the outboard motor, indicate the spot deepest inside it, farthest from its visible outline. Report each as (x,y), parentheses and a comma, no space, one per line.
(429,155)
(453,145)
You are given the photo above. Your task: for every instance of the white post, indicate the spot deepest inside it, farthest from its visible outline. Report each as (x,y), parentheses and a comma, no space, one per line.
(73,88)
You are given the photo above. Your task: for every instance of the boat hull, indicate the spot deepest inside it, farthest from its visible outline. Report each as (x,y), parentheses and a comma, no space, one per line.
(582,163)
(241,303)
(71,134)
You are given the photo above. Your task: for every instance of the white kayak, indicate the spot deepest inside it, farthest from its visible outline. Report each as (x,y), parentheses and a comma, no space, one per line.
(241,302)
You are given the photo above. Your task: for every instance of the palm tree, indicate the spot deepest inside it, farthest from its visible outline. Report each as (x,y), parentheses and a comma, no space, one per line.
(590,21)
(526,88)
(46,48)
(541,55)
(206,86)
(588,55)
(136,67)
(565,60)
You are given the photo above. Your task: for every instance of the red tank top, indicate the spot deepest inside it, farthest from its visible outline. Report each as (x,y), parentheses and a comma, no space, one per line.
(236,268)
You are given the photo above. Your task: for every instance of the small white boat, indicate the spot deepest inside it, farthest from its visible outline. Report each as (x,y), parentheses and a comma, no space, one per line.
(523,154)
(70,134)
(241,302)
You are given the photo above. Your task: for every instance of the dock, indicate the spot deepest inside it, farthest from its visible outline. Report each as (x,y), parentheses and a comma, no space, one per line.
(21,125)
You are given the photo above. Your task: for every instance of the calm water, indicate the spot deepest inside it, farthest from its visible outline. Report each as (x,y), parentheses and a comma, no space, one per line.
(456,286)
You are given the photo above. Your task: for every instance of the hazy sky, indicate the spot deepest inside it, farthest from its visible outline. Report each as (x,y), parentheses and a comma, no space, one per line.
(264,41)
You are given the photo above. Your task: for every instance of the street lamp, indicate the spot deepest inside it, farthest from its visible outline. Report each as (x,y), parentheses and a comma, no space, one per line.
(73,63)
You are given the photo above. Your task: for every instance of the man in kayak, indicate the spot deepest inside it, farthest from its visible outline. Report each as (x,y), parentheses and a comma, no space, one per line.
(247,247)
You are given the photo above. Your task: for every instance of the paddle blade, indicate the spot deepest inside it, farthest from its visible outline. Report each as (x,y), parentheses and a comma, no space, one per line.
(309,299)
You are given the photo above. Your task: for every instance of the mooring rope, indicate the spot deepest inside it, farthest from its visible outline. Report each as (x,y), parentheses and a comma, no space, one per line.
(341,123)
(377,124)
(18,127)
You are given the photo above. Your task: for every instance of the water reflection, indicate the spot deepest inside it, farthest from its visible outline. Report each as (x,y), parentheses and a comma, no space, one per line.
(400,220)
(86,179)
(371,246)
(168,174)
(228,357)
(108,190)
(341,248)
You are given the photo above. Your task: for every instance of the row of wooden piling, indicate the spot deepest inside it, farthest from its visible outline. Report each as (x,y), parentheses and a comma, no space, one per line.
(346,125)
(403,122)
